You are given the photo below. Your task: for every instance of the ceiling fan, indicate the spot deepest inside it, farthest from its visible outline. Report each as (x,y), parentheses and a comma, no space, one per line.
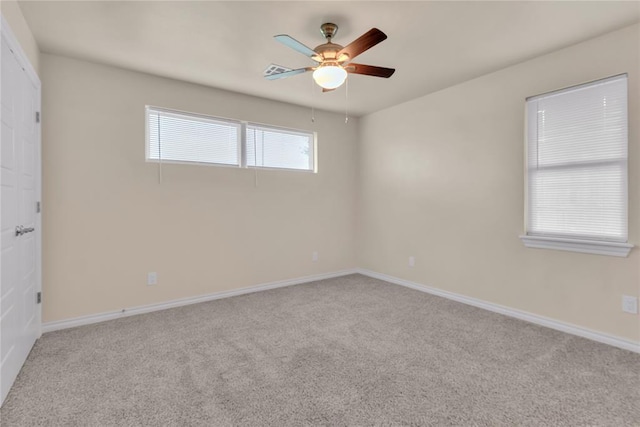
(334,60)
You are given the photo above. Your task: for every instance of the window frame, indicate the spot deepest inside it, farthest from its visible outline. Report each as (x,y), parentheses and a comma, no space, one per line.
(583,244)
(193,116)
(243,128)
(313,165)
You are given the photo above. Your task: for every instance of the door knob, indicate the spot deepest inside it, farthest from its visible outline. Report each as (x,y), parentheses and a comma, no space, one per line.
(20,230)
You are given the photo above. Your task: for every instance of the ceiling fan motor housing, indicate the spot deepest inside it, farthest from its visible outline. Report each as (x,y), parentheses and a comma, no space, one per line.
(328,51)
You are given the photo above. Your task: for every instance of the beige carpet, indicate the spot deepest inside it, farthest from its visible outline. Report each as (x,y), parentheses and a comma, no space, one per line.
(347,351)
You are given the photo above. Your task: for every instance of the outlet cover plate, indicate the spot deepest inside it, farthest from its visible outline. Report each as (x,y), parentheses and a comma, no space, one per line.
(630,304)
(152,278)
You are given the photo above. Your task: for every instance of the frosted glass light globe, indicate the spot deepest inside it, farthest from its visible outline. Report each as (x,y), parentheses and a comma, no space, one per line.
(330,76)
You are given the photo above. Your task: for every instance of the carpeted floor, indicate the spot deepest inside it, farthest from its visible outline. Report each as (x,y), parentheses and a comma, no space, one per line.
(346,351)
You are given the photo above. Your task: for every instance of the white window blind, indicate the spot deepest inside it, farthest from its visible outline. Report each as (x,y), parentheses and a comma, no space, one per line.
(577,162)
(279,148)
(184,137)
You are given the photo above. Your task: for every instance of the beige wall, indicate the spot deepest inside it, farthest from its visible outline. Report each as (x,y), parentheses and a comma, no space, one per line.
(441,178)
(107,221)
(12,13)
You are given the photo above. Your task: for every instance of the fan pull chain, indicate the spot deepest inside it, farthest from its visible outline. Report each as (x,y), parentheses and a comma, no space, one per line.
(346,102)
(313,103)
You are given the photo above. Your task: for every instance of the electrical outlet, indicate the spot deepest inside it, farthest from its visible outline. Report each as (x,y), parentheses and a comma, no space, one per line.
(629,304)
(412,261)
(314,256)
(152,278)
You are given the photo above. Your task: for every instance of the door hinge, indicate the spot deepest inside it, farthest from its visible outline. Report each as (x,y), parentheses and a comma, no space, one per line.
(38,297)
(37,207)
(37,116)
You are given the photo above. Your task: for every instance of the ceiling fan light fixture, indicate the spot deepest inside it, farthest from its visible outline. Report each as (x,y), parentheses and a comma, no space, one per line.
(330,76)
(334,60)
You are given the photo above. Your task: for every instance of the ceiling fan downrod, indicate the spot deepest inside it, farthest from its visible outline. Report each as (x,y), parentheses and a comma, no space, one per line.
(328,31)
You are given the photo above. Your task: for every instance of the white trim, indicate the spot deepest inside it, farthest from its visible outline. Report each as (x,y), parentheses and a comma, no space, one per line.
(13,43)
(576,245)
(584,85)
(512,312)
(242,129)
(313,136)
(132,311)
(39,200)
(496,308)
(535,235)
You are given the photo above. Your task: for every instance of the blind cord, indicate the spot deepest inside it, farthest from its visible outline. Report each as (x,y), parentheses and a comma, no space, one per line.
(346,102)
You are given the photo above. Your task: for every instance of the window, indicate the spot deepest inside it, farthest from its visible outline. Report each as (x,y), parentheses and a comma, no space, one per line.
(279,148)
(179,137)
(577,169)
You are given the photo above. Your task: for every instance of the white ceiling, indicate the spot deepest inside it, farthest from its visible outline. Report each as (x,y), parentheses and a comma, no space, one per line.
(227,45)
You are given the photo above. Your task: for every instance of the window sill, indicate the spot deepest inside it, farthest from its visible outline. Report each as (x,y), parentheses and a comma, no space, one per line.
(576,245)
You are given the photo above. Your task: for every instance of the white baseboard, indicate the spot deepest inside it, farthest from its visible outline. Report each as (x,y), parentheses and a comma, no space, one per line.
(110,315)
(496,308)
(512,312)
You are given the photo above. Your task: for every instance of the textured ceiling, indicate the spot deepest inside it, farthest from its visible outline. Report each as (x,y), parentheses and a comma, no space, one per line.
(228,44)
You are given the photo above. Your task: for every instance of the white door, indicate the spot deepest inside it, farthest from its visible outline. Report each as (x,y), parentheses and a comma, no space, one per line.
(19,221)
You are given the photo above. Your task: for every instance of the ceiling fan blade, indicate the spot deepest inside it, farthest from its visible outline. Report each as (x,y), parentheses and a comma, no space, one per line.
(295,45)
(362,43)
(289,73)
(370,70)
(327,90)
